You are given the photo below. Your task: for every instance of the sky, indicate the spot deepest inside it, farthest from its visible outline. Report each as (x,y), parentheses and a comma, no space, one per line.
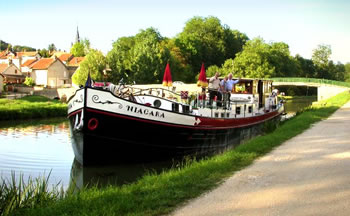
(302,24)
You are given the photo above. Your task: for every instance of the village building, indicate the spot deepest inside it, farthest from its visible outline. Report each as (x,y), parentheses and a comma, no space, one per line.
(11,73)
(1,83)
(51,72)
(63,56)
(5,56)
(26,67)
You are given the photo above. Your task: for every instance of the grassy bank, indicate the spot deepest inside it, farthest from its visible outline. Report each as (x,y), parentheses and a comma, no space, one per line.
(30,107)
(161,194)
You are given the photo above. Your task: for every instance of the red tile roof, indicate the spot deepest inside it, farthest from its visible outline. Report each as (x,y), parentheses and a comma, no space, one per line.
(3,67)
(43,63)
(3,53)
(18,54)
(65,56)
(29,62)
(76,61)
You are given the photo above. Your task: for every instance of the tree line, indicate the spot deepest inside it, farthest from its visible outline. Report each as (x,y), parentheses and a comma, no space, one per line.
(142,58)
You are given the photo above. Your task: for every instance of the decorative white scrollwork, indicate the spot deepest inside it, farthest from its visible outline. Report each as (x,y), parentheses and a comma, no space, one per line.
(96,99)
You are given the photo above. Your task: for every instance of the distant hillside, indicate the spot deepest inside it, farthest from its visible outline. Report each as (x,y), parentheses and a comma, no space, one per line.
(15,48)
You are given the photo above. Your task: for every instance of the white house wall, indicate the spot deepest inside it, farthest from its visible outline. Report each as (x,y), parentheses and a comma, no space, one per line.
(41,77)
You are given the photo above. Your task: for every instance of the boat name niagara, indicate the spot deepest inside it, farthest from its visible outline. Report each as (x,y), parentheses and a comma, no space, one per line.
(145,111)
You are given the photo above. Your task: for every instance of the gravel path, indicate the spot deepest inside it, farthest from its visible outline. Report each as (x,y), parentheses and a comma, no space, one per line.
(307,175)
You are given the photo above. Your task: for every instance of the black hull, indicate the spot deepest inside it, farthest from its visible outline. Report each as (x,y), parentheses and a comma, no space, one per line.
(122,140)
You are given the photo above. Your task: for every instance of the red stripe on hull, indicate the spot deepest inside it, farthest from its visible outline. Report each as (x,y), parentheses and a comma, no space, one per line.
(205,123)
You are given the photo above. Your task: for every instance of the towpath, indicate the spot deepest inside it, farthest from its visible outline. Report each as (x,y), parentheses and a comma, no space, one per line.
(307,175)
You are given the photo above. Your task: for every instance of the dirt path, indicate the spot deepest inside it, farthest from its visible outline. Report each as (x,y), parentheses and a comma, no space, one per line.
(307,175)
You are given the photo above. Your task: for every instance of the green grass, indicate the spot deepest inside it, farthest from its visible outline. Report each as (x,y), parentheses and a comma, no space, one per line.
(311,80)
(15,194)
(159,194)
(30,107)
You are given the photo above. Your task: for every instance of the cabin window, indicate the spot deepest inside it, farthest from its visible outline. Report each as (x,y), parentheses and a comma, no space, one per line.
(238,110)
(222,115)
(216,115)
(15,71)
(175,107)
(185,108)
(227,115)
(250,109)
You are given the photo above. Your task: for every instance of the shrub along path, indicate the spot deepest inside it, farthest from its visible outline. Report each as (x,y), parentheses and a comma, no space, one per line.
(307,175)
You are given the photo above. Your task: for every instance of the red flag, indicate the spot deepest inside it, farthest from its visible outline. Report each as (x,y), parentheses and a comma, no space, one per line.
(167,76)
(202,80)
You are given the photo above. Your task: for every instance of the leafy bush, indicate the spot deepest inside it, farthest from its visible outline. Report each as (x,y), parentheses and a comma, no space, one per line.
(29,81)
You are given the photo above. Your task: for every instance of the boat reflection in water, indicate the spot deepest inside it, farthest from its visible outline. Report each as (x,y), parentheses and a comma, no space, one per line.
(100,176)
(119,174)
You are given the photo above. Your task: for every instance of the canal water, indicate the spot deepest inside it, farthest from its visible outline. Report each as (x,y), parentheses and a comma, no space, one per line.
(39,148)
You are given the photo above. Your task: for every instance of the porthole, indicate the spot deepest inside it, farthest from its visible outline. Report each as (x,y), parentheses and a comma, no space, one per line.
(157,103)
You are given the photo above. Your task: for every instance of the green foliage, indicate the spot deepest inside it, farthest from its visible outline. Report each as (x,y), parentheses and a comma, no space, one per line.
(210,72)
(347,72)
(44,53)
(52,48)
(160,194)
(321,55)
(29,81)
(207,40)
(253,61)
(3,45)
(80,49)
(306,67)
(95,64)
(15,194)
(141,58)
(18,48)
(31,107)
(261,60)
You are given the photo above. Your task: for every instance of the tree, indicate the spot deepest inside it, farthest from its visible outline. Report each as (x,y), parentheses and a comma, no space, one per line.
(261,60)
(52,48)
(120,59)
(206,40)
(336,71)
(44,53)
(95,64)
(306,67)
(347,72)
(320,57)
(141,58)
(179,68)
(80,49)
(279,56)
(253,61)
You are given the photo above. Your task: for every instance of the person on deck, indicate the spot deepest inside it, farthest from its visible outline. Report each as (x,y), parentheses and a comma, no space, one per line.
(214,87)
(230,84)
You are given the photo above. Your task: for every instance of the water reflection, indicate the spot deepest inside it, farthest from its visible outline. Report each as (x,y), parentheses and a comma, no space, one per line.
(37,150)
(113,175)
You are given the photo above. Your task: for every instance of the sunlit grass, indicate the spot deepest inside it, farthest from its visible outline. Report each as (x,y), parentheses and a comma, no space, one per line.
(159,194)
(16,194)
(31,107)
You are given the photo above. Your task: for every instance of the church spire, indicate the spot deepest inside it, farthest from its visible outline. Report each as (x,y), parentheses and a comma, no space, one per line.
(77,38)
